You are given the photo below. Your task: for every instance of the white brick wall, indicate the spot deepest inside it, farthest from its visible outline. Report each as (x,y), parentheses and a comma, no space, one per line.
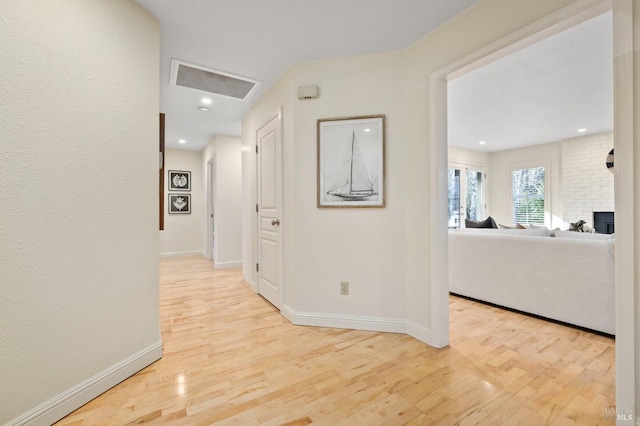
(587,185)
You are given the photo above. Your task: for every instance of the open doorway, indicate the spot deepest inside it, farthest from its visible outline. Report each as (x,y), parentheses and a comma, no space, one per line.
(563,19)
(542,119)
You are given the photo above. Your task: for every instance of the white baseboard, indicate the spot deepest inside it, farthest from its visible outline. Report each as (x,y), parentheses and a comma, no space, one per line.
(389,325)
(169,254)
(252,284)
(418,332)
(59,406)
(228,264)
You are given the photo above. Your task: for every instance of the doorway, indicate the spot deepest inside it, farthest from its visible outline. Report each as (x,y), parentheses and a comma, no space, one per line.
(624,175)
(466,194)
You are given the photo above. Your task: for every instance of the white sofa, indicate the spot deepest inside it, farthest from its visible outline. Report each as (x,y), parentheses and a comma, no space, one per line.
(568,279)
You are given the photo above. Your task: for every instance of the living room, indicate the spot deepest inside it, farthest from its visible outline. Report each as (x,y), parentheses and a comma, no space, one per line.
(531,146)
(547,105)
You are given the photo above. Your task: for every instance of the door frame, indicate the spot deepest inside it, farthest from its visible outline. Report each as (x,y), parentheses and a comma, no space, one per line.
(466,167)
(210,226)
(277,115)
(564,18)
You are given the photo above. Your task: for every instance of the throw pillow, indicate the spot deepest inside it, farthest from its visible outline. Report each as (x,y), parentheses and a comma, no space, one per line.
(537,227)
(516,226)
(487,223)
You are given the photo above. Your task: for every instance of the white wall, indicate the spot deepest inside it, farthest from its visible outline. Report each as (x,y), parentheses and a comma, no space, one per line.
(384,253)
(633,199)
(580,182)
(362,246)
(183,234)
(587,185)
(468,156)
(79,83)
(225,154)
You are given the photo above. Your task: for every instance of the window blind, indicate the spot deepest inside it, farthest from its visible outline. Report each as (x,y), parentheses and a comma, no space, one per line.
(528,190)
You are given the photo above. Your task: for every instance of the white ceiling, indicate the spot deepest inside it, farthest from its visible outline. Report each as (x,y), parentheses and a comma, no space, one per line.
(260,39)
(543,93)
(540,94)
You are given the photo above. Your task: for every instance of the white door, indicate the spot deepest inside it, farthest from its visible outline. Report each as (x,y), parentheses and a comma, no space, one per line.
(269,163)
(211,237)
(466,195)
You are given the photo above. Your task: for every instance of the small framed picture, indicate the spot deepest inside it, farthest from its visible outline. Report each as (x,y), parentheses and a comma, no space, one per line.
(179,203)
(179,180)
(351,162)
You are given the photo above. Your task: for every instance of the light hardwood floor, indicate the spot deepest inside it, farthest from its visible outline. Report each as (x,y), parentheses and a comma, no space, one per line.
(230,358)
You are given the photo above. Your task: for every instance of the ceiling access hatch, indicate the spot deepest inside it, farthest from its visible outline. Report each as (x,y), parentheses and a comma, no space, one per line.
(212,81)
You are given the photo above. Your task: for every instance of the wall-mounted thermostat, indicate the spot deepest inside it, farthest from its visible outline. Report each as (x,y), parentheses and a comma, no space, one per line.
(307,92)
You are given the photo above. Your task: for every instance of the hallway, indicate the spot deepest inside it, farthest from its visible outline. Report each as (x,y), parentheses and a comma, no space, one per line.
(230,358)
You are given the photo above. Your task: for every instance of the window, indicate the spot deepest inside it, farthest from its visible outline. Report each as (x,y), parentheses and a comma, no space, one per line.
(466,194)
(454,198)
(529,194)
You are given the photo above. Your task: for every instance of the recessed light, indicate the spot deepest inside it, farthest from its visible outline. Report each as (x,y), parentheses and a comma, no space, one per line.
(204,109)
(367,130)
(482,142)
(182,141)
(206,101)
(582,130)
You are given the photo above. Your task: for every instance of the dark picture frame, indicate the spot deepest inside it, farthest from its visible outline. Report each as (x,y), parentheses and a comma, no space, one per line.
(351,162)
(179,203)
(179,180)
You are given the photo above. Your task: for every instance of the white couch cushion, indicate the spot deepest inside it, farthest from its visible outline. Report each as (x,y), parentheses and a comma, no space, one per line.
(583,235)
(542,232)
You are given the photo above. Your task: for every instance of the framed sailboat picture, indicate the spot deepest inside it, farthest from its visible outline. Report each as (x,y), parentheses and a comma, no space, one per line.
(351,162)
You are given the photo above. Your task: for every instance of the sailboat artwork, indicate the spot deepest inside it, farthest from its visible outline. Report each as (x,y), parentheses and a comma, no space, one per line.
(351,162)
(353,182)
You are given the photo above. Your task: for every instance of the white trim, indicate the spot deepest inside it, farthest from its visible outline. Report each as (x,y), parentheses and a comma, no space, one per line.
(625,202)
(418,332)
(471,166)
(72,399)
(228,264)
(389,325)
(169,254)
(438,211)
(385,325)
(252,284)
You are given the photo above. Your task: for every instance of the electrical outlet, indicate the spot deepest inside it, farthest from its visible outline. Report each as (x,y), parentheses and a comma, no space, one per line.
(344,288)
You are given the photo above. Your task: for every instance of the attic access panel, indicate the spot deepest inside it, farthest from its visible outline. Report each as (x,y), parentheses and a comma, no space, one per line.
(212,81)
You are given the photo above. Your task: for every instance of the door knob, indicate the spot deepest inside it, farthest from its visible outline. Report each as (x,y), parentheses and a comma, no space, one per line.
(275,222)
